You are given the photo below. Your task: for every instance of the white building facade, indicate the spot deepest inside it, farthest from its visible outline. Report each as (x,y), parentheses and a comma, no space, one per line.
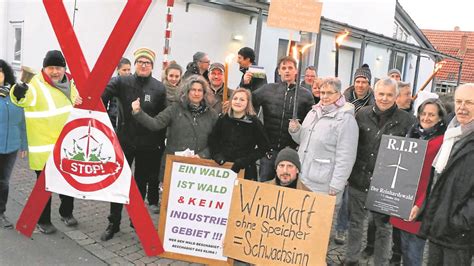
(26,35)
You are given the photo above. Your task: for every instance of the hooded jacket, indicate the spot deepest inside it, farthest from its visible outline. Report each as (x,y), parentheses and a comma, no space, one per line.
(328,147)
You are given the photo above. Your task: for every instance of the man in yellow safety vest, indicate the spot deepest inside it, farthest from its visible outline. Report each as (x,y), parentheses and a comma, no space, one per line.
(47,101)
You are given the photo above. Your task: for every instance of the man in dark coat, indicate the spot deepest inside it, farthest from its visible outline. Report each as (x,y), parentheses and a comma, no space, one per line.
(245,59)
(448,219)
(138,143)
(277,101)
(374,121)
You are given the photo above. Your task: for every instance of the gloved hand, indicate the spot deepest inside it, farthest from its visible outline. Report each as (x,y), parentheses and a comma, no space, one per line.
(238,165)
(219,159)
(20,90)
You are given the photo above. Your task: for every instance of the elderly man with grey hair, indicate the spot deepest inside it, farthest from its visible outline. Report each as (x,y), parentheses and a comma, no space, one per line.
(374,121)
(404,100)
(327,142)
(449,214)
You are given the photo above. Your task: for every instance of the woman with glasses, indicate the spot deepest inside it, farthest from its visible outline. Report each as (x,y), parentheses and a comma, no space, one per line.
(430,126)
(12,137)
(328,141)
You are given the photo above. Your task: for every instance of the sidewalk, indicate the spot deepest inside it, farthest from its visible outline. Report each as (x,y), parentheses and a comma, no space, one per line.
(80,245)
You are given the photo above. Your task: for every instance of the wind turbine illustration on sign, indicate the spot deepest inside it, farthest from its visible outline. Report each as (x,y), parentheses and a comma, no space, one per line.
(89,137)
(397,166)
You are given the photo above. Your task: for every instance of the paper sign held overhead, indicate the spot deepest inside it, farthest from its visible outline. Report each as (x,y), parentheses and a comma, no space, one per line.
(300,15)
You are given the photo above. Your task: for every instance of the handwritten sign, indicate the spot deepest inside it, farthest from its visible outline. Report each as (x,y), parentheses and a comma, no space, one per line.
(300,15)
(396,176)
(195,209)
(273,225)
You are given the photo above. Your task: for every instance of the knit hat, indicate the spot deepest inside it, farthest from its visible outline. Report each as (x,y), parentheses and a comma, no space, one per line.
(394,71)
(363,71)
(144,52)
(198,56)
(218,66)
(54,58)
(290,155)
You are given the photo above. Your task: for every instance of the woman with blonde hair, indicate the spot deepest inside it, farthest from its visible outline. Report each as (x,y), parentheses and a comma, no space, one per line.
(238,135)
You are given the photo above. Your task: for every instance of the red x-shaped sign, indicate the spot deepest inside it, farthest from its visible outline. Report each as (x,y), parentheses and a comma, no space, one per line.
(90,86)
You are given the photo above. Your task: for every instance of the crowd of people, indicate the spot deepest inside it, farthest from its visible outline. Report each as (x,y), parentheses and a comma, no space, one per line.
(314,136)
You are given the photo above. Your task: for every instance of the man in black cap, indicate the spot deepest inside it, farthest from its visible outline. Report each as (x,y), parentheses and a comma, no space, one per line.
(288,165)
(245,59)
(47,101)
(360,94)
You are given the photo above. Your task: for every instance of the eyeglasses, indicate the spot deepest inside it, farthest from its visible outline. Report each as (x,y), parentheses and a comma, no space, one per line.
(144,63)
(467,103)
(327,93)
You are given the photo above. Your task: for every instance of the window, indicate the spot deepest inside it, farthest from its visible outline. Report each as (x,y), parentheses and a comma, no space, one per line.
(17,42)
(399,32)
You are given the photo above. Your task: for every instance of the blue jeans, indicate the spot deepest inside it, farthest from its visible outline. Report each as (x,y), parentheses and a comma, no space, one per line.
(412,249)
(267,167)
(343,216)
(7,161)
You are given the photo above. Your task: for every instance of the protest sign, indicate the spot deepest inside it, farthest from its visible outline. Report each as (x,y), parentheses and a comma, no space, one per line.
(274,225)
(86,174)
(195,208)
(396,175)
(300,15)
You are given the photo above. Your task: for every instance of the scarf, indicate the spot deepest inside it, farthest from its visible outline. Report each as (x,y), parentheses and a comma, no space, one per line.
(64,86)
(454,133)
(417,132)
(359,103)
(383,116)
(323,110)
(197,110)
(5,90)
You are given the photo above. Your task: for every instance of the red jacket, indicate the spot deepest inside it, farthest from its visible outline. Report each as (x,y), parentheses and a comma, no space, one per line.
(413,227)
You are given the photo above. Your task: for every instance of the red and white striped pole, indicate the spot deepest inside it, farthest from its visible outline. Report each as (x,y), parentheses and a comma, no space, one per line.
(169,19)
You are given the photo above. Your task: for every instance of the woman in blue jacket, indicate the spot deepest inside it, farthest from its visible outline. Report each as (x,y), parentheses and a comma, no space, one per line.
(12,137)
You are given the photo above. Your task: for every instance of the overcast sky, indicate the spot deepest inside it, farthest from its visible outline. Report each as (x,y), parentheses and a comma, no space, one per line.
(441,15)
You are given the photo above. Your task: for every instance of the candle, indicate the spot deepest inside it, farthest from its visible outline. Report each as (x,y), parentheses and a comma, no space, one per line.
(228,59)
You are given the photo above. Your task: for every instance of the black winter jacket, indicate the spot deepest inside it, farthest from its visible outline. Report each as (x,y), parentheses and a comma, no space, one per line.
(152,94)
(369,141)
(277,101)
(449,215)
(235,140)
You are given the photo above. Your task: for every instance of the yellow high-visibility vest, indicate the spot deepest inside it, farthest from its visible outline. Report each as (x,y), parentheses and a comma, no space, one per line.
(46,111)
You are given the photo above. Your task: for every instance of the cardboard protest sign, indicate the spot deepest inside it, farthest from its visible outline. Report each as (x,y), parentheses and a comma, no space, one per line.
(195,209)
(396,175)
(300,15)
(273,225)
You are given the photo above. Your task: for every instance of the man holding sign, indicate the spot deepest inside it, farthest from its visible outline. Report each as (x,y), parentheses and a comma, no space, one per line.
(374,121)
(47,101)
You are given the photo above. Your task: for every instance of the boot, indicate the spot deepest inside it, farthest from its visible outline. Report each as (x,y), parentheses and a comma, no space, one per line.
(109,232)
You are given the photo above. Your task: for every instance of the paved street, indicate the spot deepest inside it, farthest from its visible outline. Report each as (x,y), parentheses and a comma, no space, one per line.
(80,245)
